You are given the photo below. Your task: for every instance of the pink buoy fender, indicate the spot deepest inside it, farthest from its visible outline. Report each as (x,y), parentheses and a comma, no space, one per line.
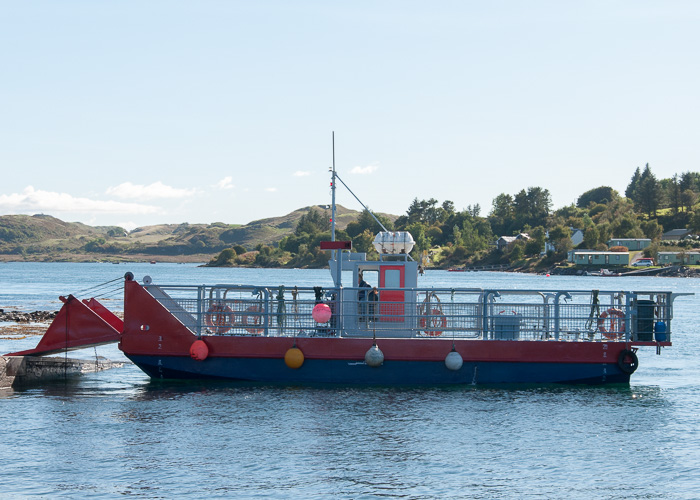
(321,313)
(199,350)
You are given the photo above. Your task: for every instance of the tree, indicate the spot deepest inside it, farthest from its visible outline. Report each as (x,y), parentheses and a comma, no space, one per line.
(422,241)
(591,237)
(674,194)
(363,241)
(688,199)
(414,212)
(502,206)
(312,222)
(602,195)
(648,193)
(560,236)
(517,253)
(532,206)
(449,207)
(652,229)
(456,235)
(472,239)
(434,233)
(502,214)
(695,221)
(227,257)
(535,245)
(540,203)
(690,181)
(631,191)
(365,221)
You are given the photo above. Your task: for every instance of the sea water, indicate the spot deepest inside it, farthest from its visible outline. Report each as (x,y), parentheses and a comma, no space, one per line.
(118,434)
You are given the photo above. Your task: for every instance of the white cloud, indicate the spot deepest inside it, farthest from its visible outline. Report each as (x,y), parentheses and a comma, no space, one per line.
(270,190)
(32,201)
(155,190)
(301,173)
(225,183)
(369,169)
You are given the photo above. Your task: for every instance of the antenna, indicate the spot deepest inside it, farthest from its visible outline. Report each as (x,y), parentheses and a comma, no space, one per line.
(333,191)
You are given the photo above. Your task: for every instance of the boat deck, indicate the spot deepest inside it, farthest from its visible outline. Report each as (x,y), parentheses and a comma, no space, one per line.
(529,315)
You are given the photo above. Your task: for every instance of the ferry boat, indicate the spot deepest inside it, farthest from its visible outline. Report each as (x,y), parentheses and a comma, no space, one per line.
(394,332)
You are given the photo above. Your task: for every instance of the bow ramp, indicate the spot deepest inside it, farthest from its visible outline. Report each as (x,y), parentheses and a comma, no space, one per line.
(77,325)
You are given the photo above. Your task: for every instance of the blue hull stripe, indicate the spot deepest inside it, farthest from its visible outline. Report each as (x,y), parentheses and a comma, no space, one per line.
(390,373)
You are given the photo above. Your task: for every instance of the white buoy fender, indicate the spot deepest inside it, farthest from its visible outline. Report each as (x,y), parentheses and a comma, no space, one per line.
(374,356)
(454,361)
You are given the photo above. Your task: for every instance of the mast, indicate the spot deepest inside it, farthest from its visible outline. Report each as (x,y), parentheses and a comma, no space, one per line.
(333,192)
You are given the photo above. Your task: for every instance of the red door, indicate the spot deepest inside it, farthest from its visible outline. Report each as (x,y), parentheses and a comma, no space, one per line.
(391,302)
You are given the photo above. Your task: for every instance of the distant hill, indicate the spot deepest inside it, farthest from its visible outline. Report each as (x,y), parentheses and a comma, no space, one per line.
(35,228)
(46,238)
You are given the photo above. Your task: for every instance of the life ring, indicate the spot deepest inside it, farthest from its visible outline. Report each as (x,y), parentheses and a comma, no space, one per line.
(617,323)
(252,319)
(219,318)
(627,361)
(433,319)
(513,311)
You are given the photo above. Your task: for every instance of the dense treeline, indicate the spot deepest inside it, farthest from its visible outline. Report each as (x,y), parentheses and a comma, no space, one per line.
(450,237)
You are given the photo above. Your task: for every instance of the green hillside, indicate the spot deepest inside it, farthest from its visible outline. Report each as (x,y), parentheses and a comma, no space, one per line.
(46,238)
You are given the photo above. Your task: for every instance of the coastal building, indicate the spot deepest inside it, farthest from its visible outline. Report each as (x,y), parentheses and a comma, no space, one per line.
(598,258)
(504,241)
(675,234)
(673,258)
(631,244)
(576,236)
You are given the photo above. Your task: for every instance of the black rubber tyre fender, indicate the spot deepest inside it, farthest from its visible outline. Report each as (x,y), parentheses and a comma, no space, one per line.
(627,361)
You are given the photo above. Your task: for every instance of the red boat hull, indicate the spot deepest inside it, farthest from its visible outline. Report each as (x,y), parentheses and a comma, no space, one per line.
(160,345)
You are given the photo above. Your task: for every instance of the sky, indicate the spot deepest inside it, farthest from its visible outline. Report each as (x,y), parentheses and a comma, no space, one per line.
(136,113)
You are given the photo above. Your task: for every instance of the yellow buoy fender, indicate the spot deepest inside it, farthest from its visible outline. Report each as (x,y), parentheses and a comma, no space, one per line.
(294,358)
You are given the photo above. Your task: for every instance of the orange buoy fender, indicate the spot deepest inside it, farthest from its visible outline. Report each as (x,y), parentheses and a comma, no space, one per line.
(294,358)
(199,350)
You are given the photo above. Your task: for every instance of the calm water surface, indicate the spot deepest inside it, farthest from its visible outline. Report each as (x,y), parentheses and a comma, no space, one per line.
(118,434)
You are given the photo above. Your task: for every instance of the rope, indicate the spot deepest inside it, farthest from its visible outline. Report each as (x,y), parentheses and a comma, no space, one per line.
(595,311)
(112,292)
(97,287)
(295,308)
(281,308)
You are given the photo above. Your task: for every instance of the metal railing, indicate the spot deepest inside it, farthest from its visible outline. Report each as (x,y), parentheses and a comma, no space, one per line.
(232,310)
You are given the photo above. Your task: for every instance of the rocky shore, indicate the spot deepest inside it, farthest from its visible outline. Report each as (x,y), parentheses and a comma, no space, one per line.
(27,317)
(671,271)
